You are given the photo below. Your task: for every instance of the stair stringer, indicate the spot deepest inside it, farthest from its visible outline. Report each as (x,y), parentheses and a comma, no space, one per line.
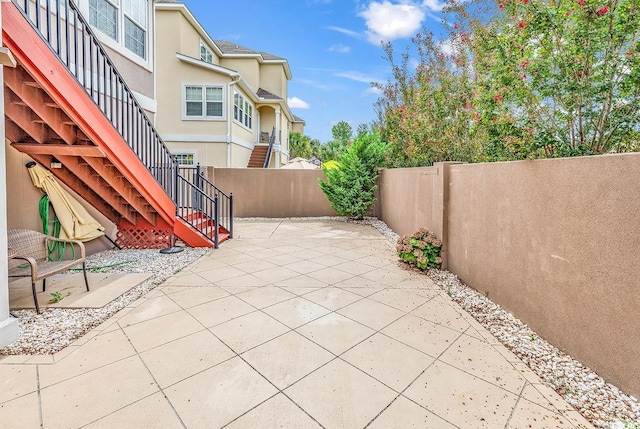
(42,64)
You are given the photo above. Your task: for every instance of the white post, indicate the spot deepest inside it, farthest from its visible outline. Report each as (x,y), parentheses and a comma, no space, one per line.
(278,146)
(8,325)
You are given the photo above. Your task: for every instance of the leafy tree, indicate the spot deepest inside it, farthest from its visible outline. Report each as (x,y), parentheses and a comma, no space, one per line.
(350,188)
(299,145)
(425,112)
(342,132)
(342,135)
(563,77)
(363,129)
(521,79)
(333,150)
(316,148)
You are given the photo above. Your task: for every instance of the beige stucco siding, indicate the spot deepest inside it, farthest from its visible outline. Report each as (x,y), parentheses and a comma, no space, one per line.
(273,79)
(247,67)
(137,71)
(207,153)
(297,127)
(173,75)
(240,156)
(138,78)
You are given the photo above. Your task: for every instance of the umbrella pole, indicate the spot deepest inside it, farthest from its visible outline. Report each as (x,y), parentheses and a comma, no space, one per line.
(172,246)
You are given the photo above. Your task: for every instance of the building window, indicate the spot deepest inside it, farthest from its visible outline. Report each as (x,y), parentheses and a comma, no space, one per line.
(242,110)
(122,20)
(186,159)
(103,15)
(205,53)
(202,101)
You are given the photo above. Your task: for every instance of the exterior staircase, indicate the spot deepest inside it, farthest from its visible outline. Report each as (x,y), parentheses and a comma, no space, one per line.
(68,108)
(261,155)
(258,156)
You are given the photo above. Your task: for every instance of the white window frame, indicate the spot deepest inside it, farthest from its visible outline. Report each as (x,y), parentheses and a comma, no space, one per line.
(208,53)
(202,117)
(192,153)
(119,42)
(243,110)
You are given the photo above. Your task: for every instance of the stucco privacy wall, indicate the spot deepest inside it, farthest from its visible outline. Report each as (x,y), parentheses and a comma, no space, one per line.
(405,198)
(553,241)
(261,192)
(411,198)
(556,242)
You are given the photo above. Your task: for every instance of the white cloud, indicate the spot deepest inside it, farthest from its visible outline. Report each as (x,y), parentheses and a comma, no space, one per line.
(413,63)
(373,90)
(345,31)
(340,48)
(433,5)
(296,103)
(446,46)
(357,76)
(389,20)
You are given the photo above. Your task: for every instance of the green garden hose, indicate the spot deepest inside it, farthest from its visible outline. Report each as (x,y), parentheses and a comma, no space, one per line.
(101,267)
(56,247)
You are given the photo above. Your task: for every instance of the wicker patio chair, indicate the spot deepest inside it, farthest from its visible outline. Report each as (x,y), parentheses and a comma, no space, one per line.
(31,246)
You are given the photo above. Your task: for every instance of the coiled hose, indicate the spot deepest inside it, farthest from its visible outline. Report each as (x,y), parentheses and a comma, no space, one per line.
(55,249)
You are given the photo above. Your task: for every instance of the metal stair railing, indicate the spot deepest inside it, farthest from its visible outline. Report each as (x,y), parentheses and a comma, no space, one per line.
(267,157)
(70,37)
(199,201)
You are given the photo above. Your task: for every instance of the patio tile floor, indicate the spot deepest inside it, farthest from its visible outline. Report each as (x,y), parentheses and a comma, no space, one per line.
(293,324)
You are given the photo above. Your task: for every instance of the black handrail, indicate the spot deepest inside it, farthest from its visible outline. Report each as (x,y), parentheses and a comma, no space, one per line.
(203,205)
(272,139)
(72,40)
(225,202)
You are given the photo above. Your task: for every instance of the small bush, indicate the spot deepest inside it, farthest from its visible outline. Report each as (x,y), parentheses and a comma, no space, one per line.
(351,186)
(421,249)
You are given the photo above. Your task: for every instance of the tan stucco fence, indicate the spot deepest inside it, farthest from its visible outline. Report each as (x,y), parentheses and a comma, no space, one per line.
(556,242)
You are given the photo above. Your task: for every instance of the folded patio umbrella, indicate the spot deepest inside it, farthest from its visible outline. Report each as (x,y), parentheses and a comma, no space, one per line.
(300,164)
(75,222)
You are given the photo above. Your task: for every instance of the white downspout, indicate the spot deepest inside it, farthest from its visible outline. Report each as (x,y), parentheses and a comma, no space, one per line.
(235,80)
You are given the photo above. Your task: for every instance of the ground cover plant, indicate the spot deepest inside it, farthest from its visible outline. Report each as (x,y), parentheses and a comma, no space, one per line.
(421,249)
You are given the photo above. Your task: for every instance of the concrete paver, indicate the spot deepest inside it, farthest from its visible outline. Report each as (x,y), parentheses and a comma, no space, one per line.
(293,324)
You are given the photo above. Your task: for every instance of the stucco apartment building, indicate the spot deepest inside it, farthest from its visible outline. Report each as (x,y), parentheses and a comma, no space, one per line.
(219,102)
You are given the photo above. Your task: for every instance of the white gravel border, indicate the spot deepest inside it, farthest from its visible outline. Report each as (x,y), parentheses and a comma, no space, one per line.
(598,401)
(56,328)
(602,403)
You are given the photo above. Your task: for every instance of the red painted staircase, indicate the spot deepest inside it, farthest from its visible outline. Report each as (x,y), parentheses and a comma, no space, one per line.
(67,105)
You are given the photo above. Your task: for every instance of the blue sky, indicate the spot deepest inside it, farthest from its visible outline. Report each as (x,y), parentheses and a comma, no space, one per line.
(333,48)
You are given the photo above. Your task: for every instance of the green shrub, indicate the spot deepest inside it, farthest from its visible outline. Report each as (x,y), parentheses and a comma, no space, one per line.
(421,249)
(350,187)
